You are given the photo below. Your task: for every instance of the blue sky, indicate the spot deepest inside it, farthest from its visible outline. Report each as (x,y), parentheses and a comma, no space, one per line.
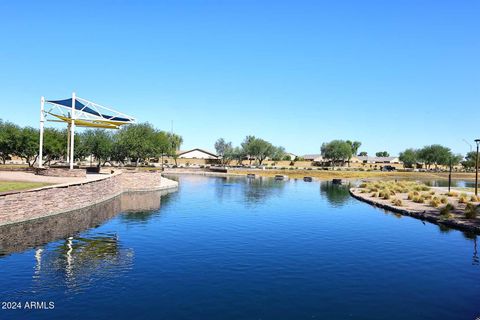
(392,74)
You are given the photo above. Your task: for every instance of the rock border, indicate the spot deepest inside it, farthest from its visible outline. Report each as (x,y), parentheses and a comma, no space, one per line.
(463,225)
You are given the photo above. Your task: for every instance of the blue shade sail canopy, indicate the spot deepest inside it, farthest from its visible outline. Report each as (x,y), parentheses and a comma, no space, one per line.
(81,107)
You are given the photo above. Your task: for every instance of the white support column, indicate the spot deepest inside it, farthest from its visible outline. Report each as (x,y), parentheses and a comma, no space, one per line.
(42,120)
(68,142)
(72,133)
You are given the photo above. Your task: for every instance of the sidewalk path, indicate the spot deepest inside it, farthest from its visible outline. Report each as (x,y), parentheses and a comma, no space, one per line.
(30,177)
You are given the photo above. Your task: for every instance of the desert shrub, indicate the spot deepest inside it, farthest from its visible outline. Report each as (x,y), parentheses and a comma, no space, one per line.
(397,202)
(432,192)
(426,196)
(474,198)
(421,187)
(452,194)
(462,198)
(363,185)
(444,200)
(374,194)
(418,199)
(471,211)
(384,194)
(435,202)
(410,195)
(445,211)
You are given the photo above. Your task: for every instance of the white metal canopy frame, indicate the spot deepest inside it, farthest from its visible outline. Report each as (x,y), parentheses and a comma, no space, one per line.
(78,112)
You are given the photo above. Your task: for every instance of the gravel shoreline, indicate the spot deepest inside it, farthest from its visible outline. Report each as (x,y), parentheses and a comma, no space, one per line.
(420,211)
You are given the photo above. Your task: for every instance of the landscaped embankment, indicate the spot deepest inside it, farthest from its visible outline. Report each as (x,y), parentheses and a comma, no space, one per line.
(32,204)
(448,209)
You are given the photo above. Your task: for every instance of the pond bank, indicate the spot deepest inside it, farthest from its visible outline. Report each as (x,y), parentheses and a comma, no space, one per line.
(421,211)
(56,199)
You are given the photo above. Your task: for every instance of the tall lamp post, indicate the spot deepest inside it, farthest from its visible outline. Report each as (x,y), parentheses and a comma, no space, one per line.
(477,141)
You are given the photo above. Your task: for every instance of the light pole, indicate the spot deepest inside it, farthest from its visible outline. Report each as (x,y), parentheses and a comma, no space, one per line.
(477,141)
(450,173)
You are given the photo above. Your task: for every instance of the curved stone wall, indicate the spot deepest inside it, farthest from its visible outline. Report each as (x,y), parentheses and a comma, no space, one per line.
(33,204)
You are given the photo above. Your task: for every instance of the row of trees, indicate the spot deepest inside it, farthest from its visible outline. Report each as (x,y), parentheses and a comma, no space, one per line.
(251,148)
(434,154)
(16,141)
(340,151)
(134,143)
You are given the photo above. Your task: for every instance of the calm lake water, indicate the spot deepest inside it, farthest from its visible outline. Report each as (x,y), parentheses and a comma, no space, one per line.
(232,248)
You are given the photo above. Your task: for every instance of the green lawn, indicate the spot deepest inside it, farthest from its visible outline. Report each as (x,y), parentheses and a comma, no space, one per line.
(19,185)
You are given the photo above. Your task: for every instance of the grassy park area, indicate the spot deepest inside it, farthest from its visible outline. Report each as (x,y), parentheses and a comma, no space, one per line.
(6,186)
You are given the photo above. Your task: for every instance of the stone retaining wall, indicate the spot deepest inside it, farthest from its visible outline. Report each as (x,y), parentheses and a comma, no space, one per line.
(141,180)
(61,172)
(33,204)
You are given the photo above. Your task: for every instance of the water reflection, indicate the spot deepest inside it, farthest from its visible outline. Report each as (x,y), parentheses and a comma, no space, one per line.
(64,258)
(475,258)
(74,261)
(260,189)
(455,183)
(253,190)
(336,194)
(141,207)
(22,236)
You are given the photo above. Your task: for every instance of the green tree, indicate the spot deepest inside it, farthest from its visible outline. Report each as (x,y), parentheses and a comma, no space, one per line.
(28,144)
(259,149)
(382,154)
(336,151)
(409,157)
(435,154)
(98,143)
(119,153)
(9,139)
(247,146)
(176,142)
(455,159)
(363,154)
(224,150)
(163,145)
(54,144)
(238,154)
(470,160)
(279,154)
(138,141)
(354,145)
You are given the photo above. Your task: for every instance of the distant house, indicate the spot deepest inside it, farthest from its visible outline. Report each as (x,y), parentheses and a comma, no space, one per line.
(368,159)
(313,157)
(197,154)
(15,160)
